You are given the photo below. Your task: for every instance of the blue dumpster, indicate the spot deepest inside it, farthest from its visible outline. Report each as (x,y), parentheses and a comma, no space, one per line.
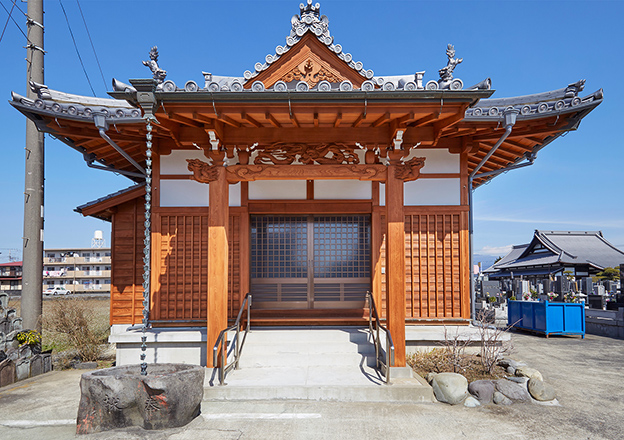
(550,318)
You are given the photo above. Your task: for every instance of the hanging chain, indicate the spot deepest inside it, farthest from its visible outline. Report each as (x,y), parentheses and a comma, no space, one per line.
(147,246)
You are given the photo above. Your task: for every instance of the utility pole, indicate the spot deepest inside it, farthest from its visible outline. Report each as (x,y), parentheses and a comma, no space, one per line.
(32,277)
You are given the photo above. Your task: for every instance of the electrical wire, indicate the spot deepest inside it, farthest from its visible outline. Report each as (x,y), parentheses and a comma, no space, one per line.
(8,19)
(92,46)
(13,20)
(76,47)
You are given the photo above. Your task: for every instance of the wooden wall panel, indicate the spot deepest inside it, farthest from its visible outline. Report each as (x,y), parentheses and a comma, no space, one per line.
(179,265)
(436,255)
(127,263)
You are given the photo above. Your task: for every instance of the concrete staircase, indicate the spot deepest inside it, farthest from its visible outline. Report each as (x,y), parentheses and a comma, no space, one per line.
(314,363)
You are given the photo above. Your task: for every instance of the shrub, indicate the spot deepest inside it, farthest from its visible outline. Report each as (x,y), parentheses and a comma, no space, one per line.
(73,324)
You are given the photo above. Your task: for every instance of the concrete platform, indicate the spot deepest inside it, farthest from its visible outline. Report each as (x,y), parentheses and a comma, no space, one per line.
(335,364)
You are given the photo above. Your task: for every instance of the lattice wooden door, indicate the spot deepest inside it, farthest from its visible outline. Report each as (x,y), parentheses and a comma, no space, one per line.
(310,261)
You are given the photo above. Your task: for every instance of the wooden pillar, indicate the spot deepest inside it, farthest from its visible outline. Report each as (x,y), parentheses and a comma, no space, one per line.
(217,259)
(377,240)
(395,264)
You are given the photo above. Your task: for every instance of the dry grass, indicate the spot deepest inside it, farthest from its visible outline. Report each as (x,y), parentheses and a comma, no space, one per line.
(439,360)
(74,329)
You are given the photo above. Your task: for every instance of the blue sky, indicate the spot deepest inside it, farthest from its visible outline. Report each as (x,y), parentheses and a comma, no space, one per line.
(525,47)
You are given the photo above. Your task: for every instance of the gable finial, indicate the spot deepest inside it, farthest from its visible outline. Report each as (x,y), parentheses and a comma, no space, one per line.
(446,73)
(159,74)
(310,9)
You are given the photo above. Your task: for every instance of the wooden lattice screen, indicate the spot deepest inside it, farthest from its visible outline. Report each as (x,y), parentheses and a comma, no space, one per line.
(435,265)
(180,259)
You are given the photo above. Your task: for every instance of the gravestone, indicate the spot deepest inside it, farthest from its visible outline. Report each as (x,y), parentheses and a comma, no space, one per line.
(587,286)
(7,372)
(22,369)
(596,301)
(4,300)
(491,288)
(621,278)
(562,285)
(36,365)
(47,362)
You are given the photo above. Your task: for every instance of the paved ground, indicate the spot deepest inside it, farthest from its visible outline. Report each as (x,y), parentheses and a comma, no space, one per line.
(587,374)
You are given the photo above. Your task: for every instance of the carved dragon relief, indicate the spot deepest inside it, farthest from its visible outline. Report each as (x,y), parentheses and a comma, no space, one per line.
(281,153)
(409,170)
(202,172)
(312,73)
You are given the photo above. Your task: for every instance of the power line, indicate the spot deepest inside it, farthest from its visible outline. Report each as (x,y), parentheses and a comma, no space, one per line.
(7,22)
(13,20)
(92,46)
(76,47)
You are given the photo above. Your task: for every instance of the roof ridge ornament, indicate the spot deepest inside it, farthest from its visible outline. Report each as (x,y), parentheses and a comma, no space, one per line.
(446,80)
(310,9)
(158,73)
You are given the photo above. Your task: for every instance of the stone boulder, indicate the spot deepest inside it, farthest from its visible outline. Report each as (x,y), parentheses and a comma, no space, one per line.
(541,391)
(523,371)
(512,389)
(449,388)
(471,402)
(482,390)
(501,399)
(169,396)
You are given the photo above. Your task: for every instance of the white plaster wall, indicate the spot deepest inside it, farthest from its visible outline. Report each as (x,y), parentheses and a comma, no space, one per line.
(278,190)
(183,193)
(235,194)
(382,194)
(432,192)
(342,189)
(175,163)
(437,160)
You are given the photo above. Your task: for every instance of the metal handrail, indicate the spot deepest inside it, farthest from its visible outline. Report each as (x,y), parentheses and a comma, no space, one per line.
(388,359)
(221,343)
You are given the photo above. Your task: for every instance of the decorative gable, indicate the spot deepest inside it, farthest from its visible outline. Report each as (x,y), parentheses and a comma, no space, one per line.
(309,55)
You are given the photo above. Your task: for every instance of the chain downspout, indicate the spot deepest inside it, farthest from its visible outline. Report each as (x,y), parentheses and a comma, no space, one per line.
(147,246)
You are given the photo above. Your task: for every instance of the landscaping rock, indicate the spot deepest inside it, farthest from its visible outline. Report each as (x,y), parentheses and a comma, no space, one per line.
(169,396)
(541,391)
(471,402)
(482,390)
(450,388)
(86,366)
(522,380)
(501,399)
(512,389)
(511,370)
(511,363)
(523,371)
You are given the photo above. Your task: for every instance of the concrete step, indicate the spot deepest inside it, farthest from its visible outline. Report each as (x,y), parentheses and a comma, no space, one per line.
(313,364)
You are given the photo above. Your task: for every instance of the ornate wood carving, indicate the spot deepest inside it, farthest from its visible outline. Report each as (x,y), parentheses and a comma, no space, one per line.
(202,172)
(410,170)
(238,173)
(282,153)
(311,72)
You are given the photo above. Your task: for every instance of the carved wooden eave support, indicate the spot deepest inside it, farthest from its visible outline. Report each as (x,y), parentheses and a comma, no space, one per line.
(409,170)
(205,173)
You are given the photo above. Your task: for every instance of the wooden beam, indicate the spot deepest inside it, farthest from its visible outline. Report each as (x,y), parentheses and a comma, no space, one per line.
(184,120)
(359,119)
(249,173)
(269,117)
(293,120)
(298,207)
(381,120)
(312,135)
(252,121)
(218,219)
(395,265)
(338,120)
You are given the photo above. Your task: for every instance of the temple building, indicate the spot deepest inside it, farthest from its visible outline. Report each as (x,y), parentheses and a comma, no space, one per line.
(551,253)
(306,181)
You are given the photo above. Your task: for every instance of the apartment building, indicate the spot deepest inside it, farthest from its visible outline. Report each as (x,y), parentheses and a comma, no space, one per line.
(11,278)
(79,270)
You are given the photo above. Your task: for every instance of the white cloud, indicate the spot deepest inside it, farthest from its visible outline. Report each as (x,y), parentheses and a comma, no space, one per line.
(600,223)
(495,250)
